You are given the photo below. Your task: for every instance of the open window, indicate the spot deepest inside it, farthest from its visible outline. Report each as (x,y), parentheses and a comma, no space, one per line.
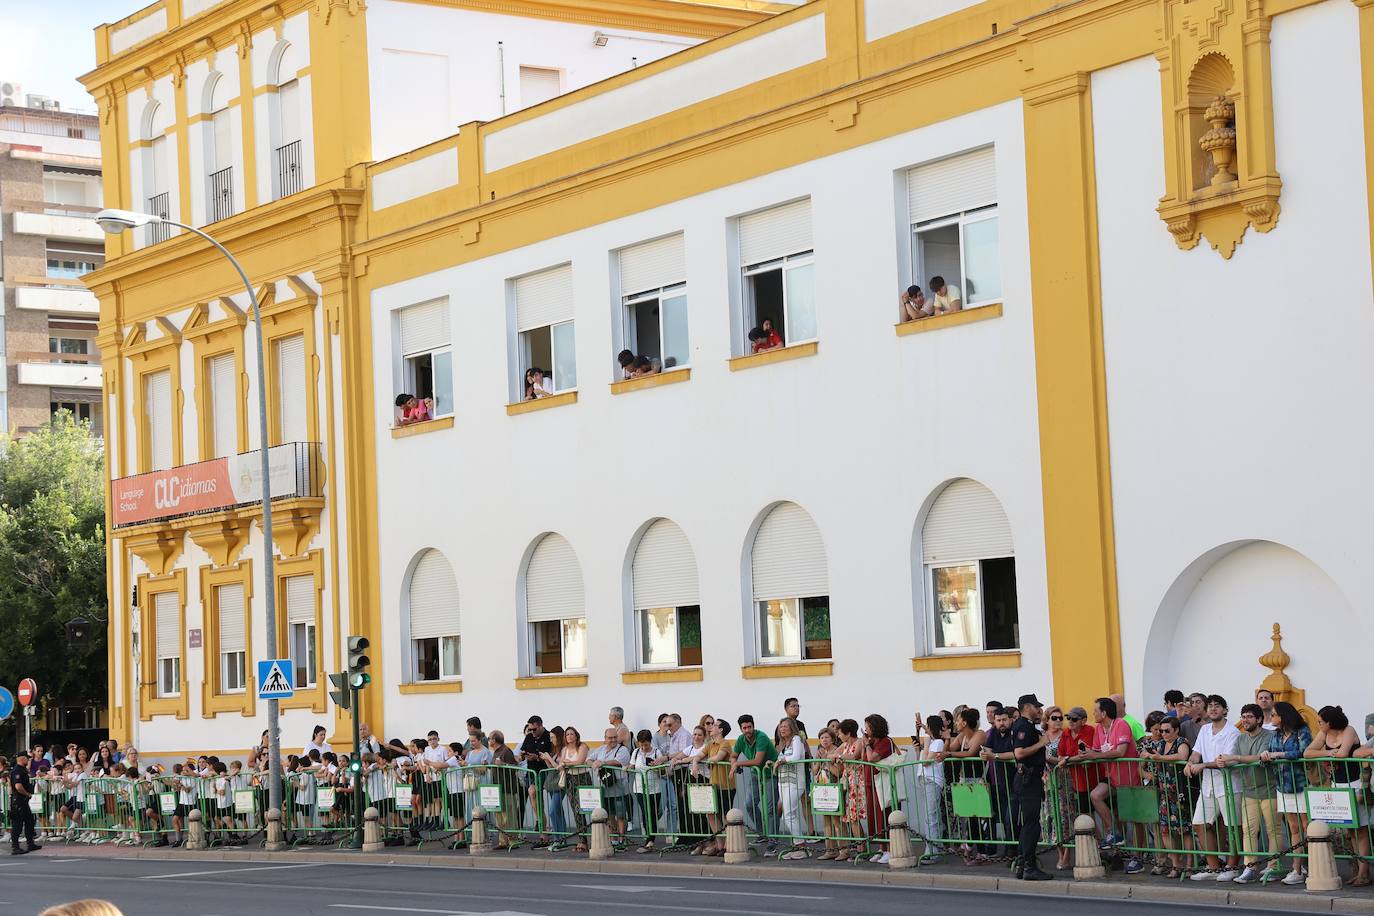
(952,204)
(427,355)
(969,572)
(544,323)
(667,611)
(555,609)
(435,623)
(778,279)
(653,284)
(790,588)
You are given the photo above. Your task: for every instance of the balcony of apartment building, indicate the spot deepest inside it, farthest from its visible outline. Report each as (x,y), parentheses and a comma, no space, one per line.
(69,363)
(57,221)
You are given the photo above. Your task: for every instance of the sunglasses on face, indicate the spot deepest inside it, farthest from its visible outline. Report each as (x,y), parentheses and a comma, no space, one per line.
(1056,718)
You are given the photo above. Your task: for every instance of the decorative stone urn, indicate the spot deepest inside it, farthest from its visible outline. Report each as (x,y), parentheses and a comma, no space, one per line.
(1220,141)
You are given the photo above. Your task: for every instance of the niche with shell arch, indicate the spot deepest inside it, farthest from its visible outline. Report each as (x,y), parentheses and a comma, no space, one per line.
(1212,123)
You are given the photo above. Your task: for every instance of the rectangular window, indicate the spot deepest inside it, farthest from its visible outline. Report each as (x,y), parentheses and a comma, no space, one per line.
(300,621)
(670,637)
(653,286)
(79,411)
(975,606)
(291,381)
(74,346)
(794,629)
(231,619)
(539,84)
(222,377)
(157,418)
(544,322)
(953,209)
(69,268)
(778,276)
(169,677)
(231,672)
(436,658)
(427,354)
(559,645)
(167,642)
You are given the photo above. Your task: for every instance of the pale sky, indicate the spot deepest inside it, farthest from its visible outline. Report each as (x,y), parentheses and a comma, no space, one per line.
(46,44)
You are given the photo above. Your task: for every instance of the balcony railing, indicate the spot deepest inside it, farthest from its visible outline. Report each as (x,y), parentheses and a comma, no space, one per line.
(216,485)
(159,205)
(221,199)
(290,175)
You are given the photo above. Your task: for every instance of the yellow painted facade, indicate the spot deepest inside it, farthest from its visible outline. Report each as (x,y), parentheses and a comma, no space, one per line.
(859,93)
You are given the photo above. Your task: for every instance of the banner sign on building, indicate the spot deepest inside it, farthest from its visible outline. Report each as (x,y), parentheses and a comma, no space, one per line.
(207,485)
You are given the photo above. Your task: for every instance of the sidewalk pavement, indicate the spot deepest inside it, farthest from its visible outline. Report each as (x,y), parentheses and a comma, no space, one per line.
(990,877)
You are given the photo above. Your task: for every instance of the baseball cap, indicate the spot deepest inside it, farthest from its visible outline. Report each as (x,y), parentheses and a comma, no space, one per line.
(1078,712)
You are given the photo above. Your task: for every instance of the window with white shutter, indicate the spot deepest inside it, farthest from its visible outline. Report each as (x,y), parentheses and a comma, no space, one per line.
(300,628)
(956,262)
(970,571)
(221,373)
(667,607)
(544,323)
(291,387)
(426,362)
(777,261)
(539,84)
(232,619)
(555,609)
(790,586)
(653,285)
(435,621)
(157,418)
(167,642)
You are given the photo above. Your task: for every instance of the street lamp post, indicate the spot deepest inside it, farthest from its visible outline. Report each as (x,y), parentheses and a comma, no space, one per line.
(115,222)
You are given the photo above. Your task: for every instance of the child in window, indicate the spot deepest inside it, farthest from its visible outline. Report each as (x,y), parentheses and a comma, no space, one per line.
(412,409)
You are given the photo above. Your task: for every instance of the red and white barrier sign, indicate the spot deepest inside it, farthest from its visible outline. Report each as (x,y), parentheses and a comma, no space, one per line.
(216,484)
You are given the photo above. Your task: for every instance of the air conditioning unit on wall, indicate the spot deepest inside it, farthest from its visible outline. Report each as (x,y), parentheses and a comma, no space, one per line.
(11,93)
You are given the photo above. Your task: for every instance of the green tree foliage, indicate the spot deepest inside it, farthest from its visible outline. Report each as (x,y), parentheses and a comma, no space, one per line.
(52,559)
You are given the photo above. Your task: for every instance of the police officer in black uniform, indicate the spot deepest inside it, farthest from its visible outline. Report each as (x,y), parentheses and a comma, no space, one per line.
(21,818)
(1029,745)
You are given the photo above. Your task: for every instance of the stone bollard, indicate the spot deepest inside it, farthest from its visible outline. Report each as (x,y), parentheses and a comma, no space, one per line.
(195,831)
(900,853)
(372,831)
(481,843)
(736,843)
(275,840)
(1321,859)
(600,847)
(1087,858)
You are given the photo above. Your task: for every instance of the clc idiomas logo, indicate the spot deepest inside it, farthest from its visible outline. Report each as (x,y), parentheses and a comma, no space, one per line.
(168,492)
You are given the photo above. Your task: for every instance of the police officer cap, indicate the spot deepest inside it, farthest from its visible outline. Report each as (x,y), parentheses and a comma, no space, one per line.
(1028,698)
(22,753)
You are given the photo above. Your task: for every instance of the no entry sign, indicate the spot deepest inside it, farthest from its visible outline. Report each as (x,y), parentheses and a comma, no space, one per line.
(28,691)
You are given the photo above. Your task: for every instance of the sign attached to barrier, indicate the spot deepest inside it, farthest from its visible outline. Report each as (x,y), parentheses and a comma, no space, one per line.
(36,803)
(1334,806)
(489,797)
(403,798)
(167,802)
(93,801)
(701,799)
(324,798)
(588,798)
(827,799)
(243,801)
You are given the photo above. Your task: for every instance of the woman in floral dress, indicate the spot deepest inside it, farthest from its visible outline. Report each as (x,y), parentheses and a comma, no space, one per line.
(1164,760)
(855,799)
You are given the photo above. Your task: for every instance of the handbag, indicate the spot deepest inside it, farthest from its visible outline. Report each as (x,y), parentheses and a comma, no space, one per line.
(882,782)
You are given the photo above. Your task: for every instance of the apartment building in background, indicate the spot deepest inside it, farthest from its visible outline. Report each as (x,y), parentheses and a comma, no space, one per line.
(50,188)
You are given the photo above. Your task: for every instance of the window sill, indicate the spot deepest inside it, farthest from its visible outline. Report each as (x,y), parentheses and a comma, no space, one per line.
(432,687)
(671,377)
(544,403)
(550,681)
(661,676)
(793,669)
(970,662)
(952,319)
(779,355)
(419,429)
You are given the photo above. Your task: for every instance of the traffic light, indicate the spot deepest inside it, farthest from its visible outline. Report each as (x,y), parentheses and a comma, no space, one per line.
(341,695)
(358,678)
(355,762)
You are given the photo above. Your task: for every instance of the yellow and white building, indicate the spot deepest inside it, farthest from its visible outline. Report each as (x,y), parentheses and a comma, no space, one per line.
(1135,447)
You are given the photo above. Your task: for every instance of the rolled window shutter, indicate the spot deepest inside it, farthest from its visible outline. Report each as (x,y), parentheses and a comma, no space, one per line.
(544,298)
(229,599)
(291,381)
(664,569)
(223,405)
(789,556)
(949,186)
(433,598)
(539,84)
(424,327)
(167,624)
(775,233)
(966,523)
(653,265)
(553,582)
(157,398)
(300,599)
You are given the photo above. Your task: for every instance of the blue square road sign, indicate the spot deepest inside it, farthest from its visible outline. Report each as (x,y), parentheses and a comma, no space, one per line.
(276,677)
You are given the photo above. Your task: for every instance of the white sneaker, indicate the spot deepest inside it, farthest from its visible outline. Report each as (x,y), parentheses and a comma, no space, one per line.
(1228,874)
(1249,876)
(1294,877)
(884,859)
(1205,874)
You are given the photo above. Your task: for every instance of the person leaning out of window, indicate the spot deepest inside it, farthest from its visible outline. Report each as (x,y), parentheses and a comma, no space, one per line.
(410,409)
(947,299)
(915,305)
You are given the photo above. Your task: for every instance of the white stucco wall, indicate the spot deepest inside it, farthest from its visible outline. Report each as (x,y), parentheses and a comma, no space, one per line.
(859,435)
(1236,388)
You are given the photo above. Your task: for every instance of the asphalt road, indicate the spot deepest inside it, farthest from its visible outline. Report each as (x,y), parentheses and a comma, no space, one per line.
(143,887)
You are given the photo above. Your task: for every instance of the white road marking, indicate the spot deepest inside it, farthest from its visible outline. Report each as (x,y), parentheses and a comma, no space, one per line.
(411,909)
(60,861)
(225,871)
(679,890)
(627,889)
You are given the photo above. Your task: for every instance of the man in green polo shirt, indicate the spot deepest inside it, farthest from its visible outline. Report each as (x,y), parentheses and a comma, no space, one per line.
(753,795)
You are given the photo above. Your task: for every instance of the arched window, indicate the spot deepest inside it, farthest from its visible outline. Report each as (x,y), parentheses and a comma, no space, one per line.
(219,150)
(555,609)
(969,571)
(435,621)
(288,174)
(667,609)
(791,589)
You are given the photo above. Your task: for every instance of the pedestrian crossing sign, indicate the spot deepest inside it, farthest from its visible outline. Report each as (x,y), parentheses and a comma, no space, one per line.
(275,679)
